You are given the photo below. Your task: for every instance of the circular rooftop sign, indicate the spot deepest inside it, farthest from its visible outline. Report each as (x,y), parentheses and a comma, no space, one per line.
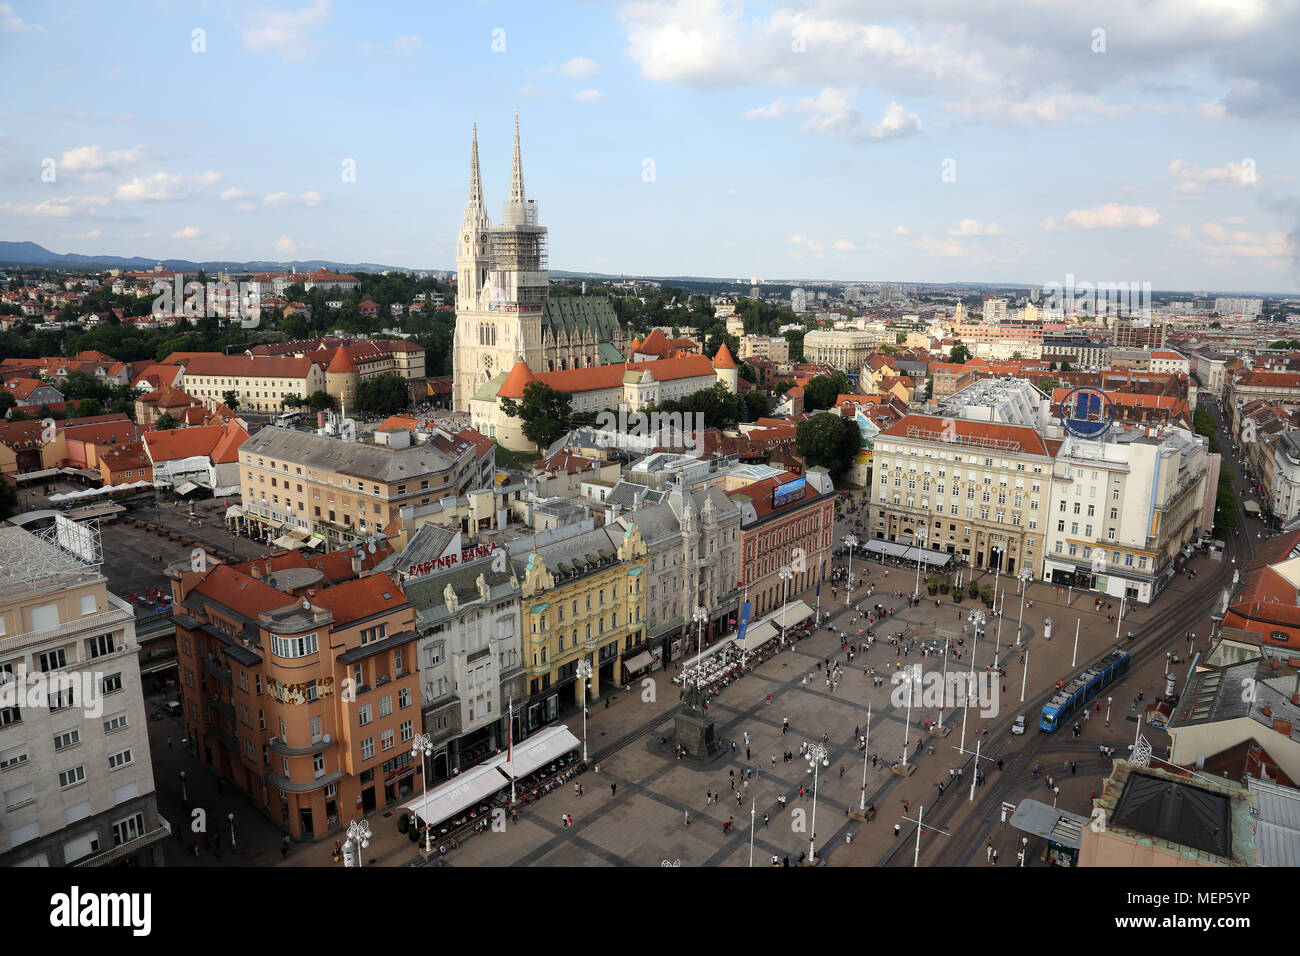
(1087,413)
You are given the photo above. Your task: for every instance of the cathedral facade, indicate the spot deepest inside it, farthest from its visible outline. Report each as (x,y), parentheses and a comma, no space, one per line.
(504,312)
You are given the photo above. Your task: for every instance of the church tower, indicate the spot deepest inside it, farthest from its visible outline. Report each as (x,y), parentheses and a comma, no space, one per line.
(502,285)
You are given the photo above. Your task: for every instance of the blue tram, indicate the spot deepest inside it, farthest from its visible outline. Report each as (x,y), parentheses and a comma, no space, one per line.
(1072,695)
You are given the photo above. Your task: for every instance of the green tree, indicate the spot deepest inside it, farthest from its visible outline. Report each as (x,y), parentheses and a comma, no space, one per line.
(8,499)
(230,398)
(795,338)
(164,422)
(1225,503)
(89,407)
(291,401)
(900,338)
(544,412)
(822,391)
(959,355)
(79,385)
(318,401)
(7,401)
(828,440)
(1047,384)
(383,394)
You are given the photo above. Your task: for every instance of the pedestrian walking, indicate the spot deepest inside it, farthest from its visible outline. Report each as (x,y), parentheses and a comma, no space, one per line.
(687,815)
(613,789)
(897,829)
(284,847)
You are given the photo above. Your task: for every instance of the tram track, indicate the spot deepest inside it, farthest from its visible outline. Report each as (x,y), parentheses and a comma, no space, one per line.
(1143,650)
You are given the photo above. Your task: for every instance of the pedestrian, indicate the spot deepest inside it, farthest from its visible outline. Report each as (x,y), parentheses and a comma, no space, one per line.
(995,857)
(613,789)
(687,814)
(284,847)
(897,830)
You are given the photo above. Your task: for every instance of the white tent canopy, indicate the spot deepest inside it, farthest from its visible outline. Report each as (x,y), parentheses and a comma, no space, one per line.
(539,750)
(756,635)
(460,793)
(796,613)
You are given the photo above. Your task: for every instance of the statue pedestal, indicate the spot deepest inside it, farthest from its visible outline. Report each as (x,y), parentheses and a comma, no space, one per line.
(903,769)
(937,731)
(694,730)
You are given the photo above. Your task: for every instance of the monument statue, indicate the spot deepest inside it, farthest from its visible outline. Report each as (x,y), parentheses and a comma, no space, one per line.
(694,696)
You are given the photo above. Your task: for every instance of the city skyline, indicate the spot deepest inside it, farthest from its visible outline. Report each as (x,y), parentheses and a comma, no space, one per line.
(1168,162)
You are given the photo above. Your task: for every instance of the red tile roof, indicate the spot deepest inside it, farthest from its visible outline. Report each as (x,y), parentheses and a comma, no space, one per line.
(244,366)
(361,597)
(1021,438)
(760,493)
(723,358)
(519,378)
(177,443)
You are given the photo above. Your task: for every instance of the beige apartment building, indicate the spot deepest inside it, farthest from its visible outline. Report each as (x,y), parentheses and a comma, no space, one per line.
(976,490)
(260,383)
(846,349)
(75,768)
(773,347)
(317,488)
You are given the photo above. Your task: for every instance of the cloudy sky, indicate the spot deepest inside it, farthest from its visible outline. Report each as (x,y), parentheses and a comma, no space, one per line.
(937,140)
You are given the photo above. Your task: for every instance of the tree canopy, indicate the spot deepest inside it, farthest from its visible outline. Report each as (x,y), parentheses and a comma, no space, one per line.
(545,413)
(828,440)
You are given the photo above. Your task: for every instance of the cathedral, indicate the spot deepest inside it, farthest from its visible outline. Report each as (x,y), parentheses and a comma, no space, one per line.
(504,312)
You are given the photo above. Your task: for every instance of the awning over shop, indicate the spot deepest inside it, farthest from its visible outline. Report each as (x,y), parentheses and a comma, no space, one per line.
(234,511)
(757,635)
(187,489)
(928,557)
(288,542)
(462,792)
(537,751)
(1059,826)
(1252,507)
(796,613)
(891,549)
(638,663)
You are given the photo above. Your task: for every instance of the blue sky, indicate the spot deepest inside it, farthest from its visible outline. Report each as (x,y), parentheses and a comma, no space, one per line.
(838,139)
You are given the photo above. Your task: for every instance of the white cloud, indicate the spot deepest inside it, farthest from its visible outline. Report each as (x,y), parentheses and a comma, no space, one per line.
(948,248)
(92,234)
(286,246)
(189,232)
(1193,183)
(1181,232)
(533,91)
(286,33)
(816,246)
(64,207)
(245,206)
(901,231)
(973,227)
(842,245)
(94,162)
(831,114)
(231,194)
(579,66)
(10,22)
(406,45)
(1220,241)
(309,198)
(1036,108)
(588,96)
(1106,216)
(160,187)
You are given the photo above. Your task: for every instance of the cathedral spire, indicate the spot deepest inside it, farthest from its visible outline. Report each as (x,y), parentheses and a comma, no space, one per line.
(475,204)
(517,170)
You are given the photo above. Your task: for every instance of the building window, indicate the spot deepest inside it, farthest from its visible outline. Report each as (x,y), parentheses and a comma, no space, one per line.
(363,715)
(69,738)
(70,778)
(119,760)
(368,748)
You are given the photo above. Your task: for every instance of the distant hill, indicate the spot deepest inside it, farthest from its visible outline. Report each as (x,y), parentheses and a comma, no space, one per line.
(32,254)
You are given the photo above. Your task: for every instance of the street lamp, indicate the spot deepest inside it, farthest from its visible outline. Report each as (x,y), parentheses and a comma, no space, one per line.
(185,796)
(359,837)
(920,538)
(1025,577)
(231,818)
(584,672)
(817,758)
(850,542)
(422,749)
(976,621)
(787,575)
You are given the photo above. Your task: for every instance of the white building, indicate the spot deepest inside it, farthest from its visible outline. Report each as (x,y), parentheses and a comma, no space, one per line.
(75,768)
(1121,508)
(799,300)
(1286,476)
(1237,306)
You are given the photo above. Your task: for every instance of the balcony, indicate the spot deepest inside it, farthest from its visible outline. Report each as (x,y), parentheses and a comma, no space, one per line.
(216,670)
(101,622)
(156,835)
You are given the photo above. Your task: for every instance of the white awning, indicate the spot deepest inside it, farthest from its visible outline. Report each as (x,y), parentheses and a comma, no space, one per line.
(460,793)
(796,613)
(188,488)
(234,511)
(1252,507)
(288,542)
(539,750)
(756,635)
(639,662)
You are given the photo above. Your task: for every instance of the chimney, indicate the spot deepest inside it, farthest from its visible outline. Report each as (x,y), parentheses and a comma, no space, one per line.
(1268,711)
(1283,727)
(356,564)
(256,572)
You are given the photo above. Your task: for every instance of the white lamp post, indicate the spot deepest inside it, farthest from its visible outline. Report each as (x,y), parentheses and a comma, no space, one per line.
(866,756)
(584,672)
(359,835)
(787,575)
(421,750)
(817,758)
(230,817)
(850,542)
(976,620)
(1025,577)
(920,547)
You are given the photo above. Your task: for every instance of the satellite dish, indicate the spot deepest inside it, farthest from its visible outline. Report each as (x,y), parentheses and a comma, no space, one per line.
(306,605)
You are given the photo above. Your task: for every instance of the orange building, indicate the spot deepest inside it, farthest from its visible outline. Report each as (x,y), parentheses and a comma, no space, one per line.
(303,693)
(124,464)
